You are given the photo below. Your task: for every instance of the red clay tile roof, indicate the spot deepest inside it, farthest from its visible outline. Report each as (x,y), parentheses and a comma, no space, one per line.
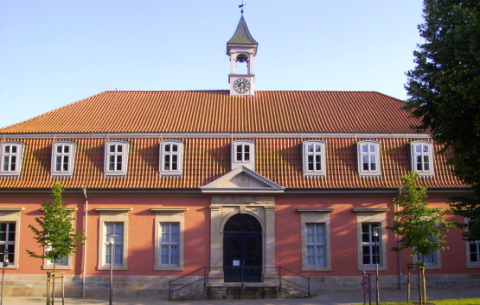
(279,160)
(217,112)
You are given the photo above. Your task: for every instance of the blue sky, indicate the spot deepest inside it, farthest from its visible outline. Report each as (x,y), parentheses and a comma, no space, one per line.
(55,52)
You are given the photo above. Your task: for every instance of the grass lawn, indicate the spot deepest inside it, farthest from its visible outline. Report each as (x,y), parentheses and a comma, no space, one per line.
(474,301)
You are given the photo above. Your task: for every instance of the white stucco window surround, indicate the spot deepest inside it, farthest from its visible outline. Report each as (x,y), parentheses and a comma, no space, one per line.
(10,222)
(116,158)
(171,158)
(368,156)
(169,238)
(66,262)
(316,249)
(113,221)
(11,158)
(63,158)
(313,156)
(368,219)
(421,157)
(243,154)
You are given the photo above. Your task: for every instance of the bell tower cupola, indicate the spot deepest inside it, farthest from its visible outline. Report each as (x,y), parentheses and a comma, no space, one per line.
(242,49)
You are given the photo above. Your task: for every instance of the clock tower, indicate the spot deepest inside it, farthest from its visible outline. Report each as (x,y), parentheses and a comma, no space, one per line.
(241,48)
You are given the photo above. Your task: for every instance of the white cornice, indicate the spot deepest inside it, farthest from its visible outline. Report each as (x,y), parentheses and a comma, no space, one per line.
(161,136)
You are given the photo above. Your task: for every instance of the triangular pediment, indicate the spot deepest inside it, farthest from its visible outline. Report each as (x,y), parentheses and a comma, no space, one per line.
(242,180)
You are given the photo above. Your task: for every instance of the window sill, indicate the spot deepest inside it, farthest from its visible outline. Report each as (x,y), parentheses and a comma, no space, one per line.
(321,269)
(114,268)
(168,268)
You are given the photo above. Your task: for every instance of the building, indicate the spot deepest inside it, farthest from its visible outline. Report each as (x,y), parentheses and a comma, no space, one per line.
(239,180)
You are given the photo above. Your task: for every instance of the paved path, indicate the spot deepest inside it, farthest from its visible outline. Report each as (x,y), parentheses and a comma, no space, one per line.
(330,298)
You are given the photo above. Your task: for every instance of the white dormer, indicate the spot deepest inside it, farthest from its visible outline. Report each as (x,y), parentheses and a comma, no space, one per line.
(243,154)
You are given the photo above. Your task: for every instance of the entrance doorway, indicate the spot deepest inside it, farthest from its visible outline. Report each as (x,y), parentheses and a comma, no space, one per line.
(242,249)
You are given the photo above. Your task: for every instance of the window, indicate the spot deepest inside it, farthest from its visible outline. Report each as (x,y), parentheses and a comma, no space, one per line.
(64,262)
(243,154)
(116,158)
(170,244)
(63,158)
(314,158)
(371,243)
(11,157)
(114,229)
(61,263)
(316,245)
(368,153)
(315,239)
(171,158)
(169,238)
(8,232)
(371,246)
(473,253)
(113,221)
(422,157)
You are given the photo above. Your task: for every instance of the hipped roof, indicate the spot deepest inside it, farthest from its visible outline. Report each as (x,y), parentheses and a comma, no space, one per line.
(218,112)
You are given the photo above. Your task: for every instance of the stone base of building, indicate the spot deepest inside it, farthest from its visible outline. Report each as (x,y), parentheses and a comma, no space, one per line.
(26,285)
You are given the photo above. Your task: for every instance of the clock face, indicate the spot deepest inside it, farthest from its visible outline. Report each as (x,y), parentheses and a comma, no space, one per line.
(241,85)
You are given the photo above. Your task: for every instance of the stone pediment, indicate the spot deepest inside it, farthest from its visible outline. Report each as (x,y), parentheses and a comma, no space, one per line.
(242,180)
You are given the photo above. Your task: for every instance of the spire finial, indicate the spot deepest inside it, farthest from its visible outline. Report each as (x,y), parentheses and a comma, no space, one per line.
(241,6)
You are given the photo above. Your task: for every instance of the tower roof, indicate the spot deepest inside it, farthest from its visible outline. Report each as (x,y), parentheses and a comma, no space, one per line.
(242,35)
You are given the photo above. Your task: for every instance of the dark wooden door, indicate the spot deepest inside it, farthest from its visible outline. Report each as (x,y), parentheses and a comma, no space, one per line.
(242,249)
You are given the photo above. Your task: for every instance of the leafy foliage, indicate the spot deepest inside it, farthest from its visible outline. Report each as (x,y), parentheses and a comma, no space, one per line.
(419,226)
(56,234)
(443,92)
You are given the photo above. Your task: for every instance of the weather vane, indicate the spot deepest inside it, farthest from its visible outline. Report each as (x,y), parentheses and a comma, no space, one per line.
(241,6)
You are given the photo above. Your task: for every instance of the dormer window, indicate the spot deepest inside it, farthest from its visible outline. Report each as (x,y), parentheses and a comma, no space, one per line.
(243,154)
(171,158)
(63,158)
(116,158)
(422,157)
(11,157)
(314,163)
(368,154)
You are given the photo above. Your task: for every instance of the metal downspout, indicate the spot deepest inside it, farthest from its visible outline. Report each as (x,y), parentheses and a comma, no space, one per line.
(85,243)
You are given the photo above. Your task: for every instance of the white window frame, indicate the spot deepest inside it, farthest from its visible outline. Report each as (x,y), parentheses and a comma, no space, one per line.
(166,151)
(18,155)
(414,154)
(239,147)
(116,154)
(312,155)
(12,215)
(56,155)
(473,263)
(369,154)
(313,216)
(112,215)
(169,215)
(468,244)
(372,216)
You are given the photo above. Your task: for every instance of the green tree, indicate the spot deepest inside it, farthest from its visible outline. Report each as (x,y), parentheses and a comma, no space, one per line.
(56,235)
(418,226)
(443,91)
